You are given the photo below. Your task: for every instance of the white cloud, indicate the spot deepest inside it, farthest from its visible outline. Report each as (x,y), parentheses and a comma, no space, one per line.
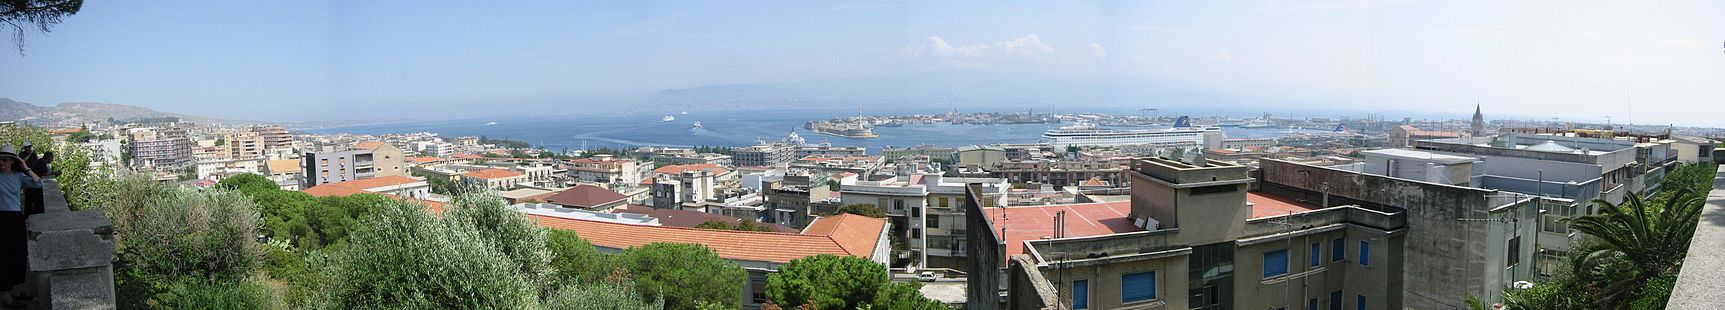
(1027,46)
(1098,51)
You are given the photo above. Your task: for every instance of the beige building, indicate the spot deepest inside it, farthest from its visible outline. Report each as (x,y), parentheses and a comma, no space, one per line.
(606,169)
(387,159)
(245,145)
(1192,236)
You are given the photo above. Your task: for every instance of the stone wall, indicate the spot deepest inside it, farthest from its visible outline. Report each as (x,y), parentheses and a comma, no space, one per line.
(71,255)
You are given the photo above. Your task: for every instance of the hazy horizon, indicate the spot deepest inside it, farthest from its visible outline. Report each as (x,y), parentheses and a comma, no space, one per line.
(1646,63)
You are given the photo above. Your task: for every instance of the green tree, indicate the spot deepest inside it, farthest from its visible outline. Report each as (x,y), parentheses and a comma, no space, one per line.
(842,282)
(176,248)
(85,187)
(403,257)
(1644,236)
(41,15)
(868,210)
(330,220)
(685,275)
(574,261)
(505,231)
(714,224)
(603,296)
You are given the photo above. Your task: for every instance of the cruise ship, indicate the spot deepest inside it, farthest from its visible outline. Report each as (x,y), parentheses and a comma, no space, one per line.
(1084,134)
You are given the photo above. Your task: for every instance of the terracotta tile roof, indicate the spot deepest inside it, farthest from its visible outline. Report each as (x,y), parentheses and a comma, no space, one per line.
(675,169)
(468,156)
(857,234)
(585,197)
(424,159)
(327,190)
(493,173)
(686,218)
(729,244)
(1085,219)
(1267,205)
(370,145)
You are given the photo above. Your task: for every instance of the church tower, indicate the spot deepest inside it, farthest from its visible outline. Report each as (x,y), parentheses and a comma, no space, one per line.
(1478,121)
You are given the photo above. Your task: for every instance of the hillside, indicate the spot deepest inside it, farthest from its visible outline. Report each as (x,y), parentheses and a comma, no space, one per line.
(73,113)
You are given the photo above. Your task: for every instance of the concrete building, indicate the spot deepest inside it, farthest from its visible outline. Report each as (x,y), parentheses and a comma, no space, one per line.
(1192,236)
(606,169)
(273,136)
(588,197)
(894,154)
(1243,143)
(978,156)
(763,155)
(1060,173)
(494,178)
(926,210)
(1462,241)
(435,148)
(828,150)
(1692,149)
(796,200)
(244,145)
(1405,135)
(337,166)
(387,159)
(673,186)
(160,147)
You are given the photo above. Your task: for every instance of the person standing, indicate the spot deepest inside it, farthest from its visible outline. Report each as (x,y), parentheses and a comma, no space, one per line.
(14,176)
(43,167)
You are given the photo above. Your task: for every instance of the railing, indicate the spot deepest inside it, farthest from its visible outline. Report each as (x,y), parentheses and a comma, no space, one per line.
(1704,268)
(71,255)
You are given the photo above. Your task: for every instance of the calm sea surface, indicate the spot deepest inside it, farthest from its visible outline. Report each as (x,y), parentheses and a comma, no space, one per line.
(729,128)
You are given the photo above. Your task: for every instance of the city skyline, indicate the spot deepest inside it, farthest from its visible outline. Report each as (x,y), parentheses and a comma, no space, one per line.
(329,61)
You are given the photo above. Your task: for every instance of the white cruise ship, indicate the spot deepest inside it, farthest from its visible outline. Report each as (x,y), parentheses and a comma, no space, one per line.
(1084,134)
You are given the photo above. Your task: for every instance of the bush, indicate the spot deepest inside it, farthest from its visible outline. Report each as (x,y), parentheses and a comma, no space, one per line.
(506,231)
(684,275)
(179,249)
(601,296)
(574,261)
(404,257)
(843,282)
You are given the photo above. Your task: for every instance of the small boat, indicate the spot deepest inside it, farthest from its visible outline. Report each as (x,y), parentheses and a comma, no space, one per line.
(697,125)
(685,112)
(491,124)
(668,119)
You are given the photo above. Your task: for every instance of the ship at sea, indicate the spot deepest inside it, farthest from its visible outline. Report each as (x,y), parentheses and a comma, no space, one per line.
(668,119)
(843,128)
(697,125)
(1085,134)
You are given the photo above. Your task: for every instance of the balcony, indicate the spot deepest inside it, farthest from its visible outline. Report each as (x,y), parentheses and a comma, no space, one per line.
(1704,268)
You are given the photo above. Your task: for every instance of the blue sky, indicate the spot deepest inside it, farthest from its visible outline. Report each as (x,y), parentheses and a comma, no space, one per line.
(308,60)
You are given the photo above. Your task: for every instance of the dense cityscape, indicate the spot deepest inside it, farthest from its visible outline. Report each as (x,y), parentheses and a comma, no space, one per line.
(729,201)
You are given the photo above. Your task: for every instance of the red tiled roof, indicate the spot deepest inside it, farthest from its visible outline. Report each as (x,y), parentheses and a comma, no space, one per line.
(686,218)
(845,229)
(425,159)
(328,190)
(585,196)
(1085,219)
(468,156)
(729,244)
(675,169)
(493,173)
(1267,205)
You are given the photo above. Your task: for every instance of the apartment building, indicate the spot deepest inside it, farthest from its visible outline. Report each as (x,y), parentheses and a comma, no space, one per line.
(607,169)
(926,209)
(1059,172)
(387,159)
(763,155)
(273,136)
(337,166)
(244,144)
(827,149)
(935,152)
(494,178)
(1193,236)
(160,147)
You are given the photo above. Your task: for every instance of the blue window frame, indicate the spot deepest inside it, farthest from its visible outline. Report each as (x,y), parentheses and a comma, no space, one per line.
(1365,253)
(1275,263)
(1360,303)
(1312,304)
(1315,256)
(1337,249)
(1138,286)
(1081,294)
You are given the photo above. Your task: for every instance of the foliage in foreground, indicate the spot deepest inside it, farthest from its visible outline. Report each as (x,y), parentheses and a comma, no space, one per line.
(179,248)
(405,258)
(843,282)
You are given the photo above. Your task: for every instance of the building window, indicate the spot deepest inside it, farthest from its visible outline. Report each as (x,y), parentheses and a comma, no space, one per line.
(1275,263)
(1514,252)
(1336,300)
(1360,302)
(1312,304)
(944,202)
(934,221)
(1314,256)
(1337,249)
(1137,287)
(1365,253)
(915,212)
(1081,294)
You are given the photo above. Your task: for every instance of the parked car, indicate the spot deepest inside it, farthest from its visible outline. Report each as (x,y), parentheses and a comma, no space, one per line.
(926,276)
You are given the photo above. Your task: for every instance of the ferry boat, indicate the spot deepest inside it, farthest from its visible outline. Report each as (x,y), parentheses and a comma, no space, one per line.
(668,119)
(697,125)
(1085,134)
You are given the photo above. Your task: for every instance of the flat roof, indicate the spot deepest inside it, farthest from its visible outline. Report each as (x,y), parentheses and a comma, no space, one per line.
(1082,220)
(1422,155)
(1268,205)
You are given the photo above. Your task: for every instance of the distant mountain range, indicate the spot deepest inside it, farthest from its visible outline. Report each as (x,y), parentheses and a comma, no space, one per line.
(75,113)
